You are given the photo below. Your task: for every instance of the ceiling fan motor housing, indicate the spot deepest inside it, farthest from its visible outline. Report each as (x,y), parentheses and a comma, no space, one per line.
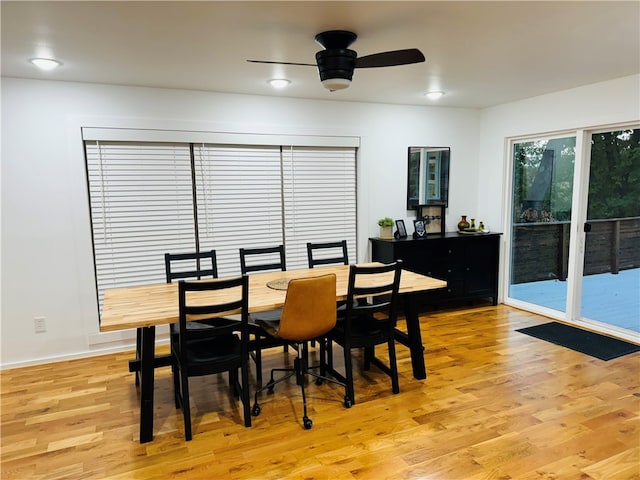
(336,64)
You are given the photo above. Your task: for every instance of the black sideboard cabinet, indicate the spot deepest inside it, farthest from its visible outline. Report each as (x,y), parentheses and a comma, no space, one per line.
(469,263)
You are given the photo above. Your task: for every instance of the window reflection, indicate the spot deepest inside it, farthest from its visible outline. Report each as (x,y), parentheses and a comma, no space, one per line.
(428,176)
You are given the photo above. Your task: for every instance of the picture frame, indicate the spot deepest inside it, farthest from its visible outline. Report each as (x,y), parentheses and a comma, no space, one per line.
(401,231)
(420,229)
(433,216)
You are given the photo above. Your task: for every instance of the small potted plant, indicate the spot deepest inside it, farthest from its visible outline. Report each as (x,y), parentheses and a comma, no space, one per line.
(386,227)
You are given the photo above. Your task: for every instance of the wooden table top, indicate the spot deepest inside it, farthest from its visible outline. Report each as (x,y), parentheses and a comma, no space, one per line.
(157,304)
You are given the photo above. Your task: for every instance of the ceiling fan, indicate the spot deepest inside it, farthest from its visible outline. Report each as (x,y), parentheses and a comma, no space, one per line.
(336,62)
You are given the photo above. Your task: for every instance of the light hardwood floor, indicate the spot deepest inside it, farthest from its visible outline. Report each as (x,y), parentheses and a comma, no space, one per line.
(497,404)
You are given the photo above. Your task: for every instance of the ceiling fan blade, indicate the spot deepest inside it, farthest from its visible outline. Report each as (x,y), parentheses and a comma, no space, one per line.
(283,63)
(390,59)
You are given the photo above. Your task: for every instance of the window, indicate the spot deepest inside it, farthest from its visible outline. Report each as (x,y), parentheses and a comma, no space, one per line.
(141,207)
(149,198)
(239,198)
(319,200)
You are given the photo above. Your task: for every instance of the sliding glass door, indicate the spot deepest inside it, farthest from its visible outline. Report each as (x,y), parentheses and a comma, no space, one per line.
(543,171)
(611,268)
(574,228)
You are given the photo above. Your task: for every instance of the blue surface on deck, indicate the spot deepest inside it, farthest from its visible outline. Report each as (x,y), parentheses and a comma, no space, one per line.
(606,298)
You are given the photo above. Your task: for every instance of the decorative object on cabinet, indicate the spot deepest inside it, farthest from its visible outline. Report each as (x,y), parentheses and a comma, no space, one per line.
(420,230)
(427,176)
(463,224)
(401,231)
(386,227)
(433,217)
(469,263)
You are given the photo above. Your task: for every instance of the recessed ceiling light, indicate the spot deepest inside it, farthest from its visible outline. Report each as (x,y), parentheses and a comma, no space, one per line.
(279,82)
(434,95)
(45,63)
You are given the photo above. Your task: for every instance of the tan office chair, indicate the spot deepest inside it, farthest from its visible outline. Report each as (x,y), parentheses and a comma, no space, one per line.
(309,313)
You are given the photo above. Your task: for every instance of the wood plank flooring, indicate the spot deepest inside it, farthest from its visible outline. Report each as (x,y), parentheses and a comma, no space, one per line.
(497,404)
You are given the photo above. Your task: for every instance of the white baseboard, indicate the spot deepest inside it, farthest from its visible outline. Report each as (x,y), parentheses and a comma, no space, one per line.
(94,352)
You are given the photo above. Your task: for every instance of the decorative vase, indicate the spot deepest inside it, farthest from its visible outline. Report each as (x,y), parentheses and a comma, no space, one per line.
(386,232)
(462,224)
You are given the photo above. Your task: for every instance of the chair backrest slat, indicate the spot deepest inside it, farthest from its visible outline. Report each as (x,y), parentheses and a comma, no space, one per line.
(380,282)
(198,265)
(268,253)
(328,253)
(210,298)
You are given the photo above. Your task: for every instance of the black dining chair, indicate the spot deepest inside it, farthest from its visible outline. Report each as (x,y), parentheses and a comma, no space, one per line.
(262,259)
(327,253)
(309,313)
(194,266)
(180,266)
(366,324)
(218,349)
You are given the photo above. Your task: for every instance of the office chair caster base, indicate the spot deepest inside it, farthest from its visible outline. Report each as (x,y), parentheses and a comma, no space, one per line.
(307,423)
(319,381)
(347,402)
(255,411)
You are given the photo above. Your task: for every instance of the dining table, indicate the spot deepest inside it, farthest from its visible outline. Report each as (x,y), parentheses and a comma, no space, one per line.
(147,306)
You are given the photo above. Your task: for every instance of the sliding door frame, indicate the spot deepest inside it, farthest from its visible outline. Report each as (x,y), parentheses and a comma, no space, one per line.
(577,237)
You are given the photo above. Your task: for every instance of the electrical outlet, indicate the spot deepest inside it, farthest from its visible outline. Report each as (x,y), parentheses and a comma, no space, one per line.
(39,324)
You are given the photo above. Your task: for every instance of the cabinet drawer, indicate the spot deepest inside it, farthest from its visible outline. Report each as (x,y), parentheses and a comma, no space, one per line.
(455,289)
(446,251)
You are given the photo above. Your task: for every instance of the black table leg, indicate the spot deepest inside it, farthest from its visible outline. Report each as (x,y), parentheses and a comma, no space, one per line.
(146,383)
(412,302)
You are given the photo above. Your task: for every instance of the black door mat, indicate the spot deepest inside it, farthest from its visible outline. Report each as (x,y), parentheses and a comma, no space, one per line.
(583,341)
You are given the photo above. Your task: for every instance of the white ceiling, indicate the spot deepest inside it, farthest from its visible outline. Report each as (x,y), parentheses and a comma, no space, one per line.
(480,53)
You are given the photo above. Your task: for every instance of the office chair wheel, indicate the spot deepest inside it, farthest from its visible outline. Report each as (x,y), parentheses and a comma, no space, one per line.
(255,411)
(347,402)
(307,423)
(319,381)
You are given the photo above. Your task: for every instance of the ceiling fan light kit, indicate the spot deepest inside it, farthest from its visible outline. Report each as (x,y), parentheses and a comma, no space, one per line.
(336,62)
(333,84)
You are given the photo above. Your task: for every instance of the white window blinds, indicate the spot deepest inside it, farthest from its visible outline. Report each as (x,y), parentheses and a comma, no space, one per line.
(141,207)
(319,186)
(143,196)
(239,198)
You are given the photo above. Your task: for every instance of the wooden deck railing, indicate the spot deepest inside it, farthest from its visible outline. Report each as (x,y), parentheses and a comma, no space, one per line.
(541,250)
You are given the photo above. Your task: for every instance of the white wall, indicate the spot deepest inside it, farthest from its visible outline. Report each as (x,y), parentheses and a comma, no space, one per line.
(47,266)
